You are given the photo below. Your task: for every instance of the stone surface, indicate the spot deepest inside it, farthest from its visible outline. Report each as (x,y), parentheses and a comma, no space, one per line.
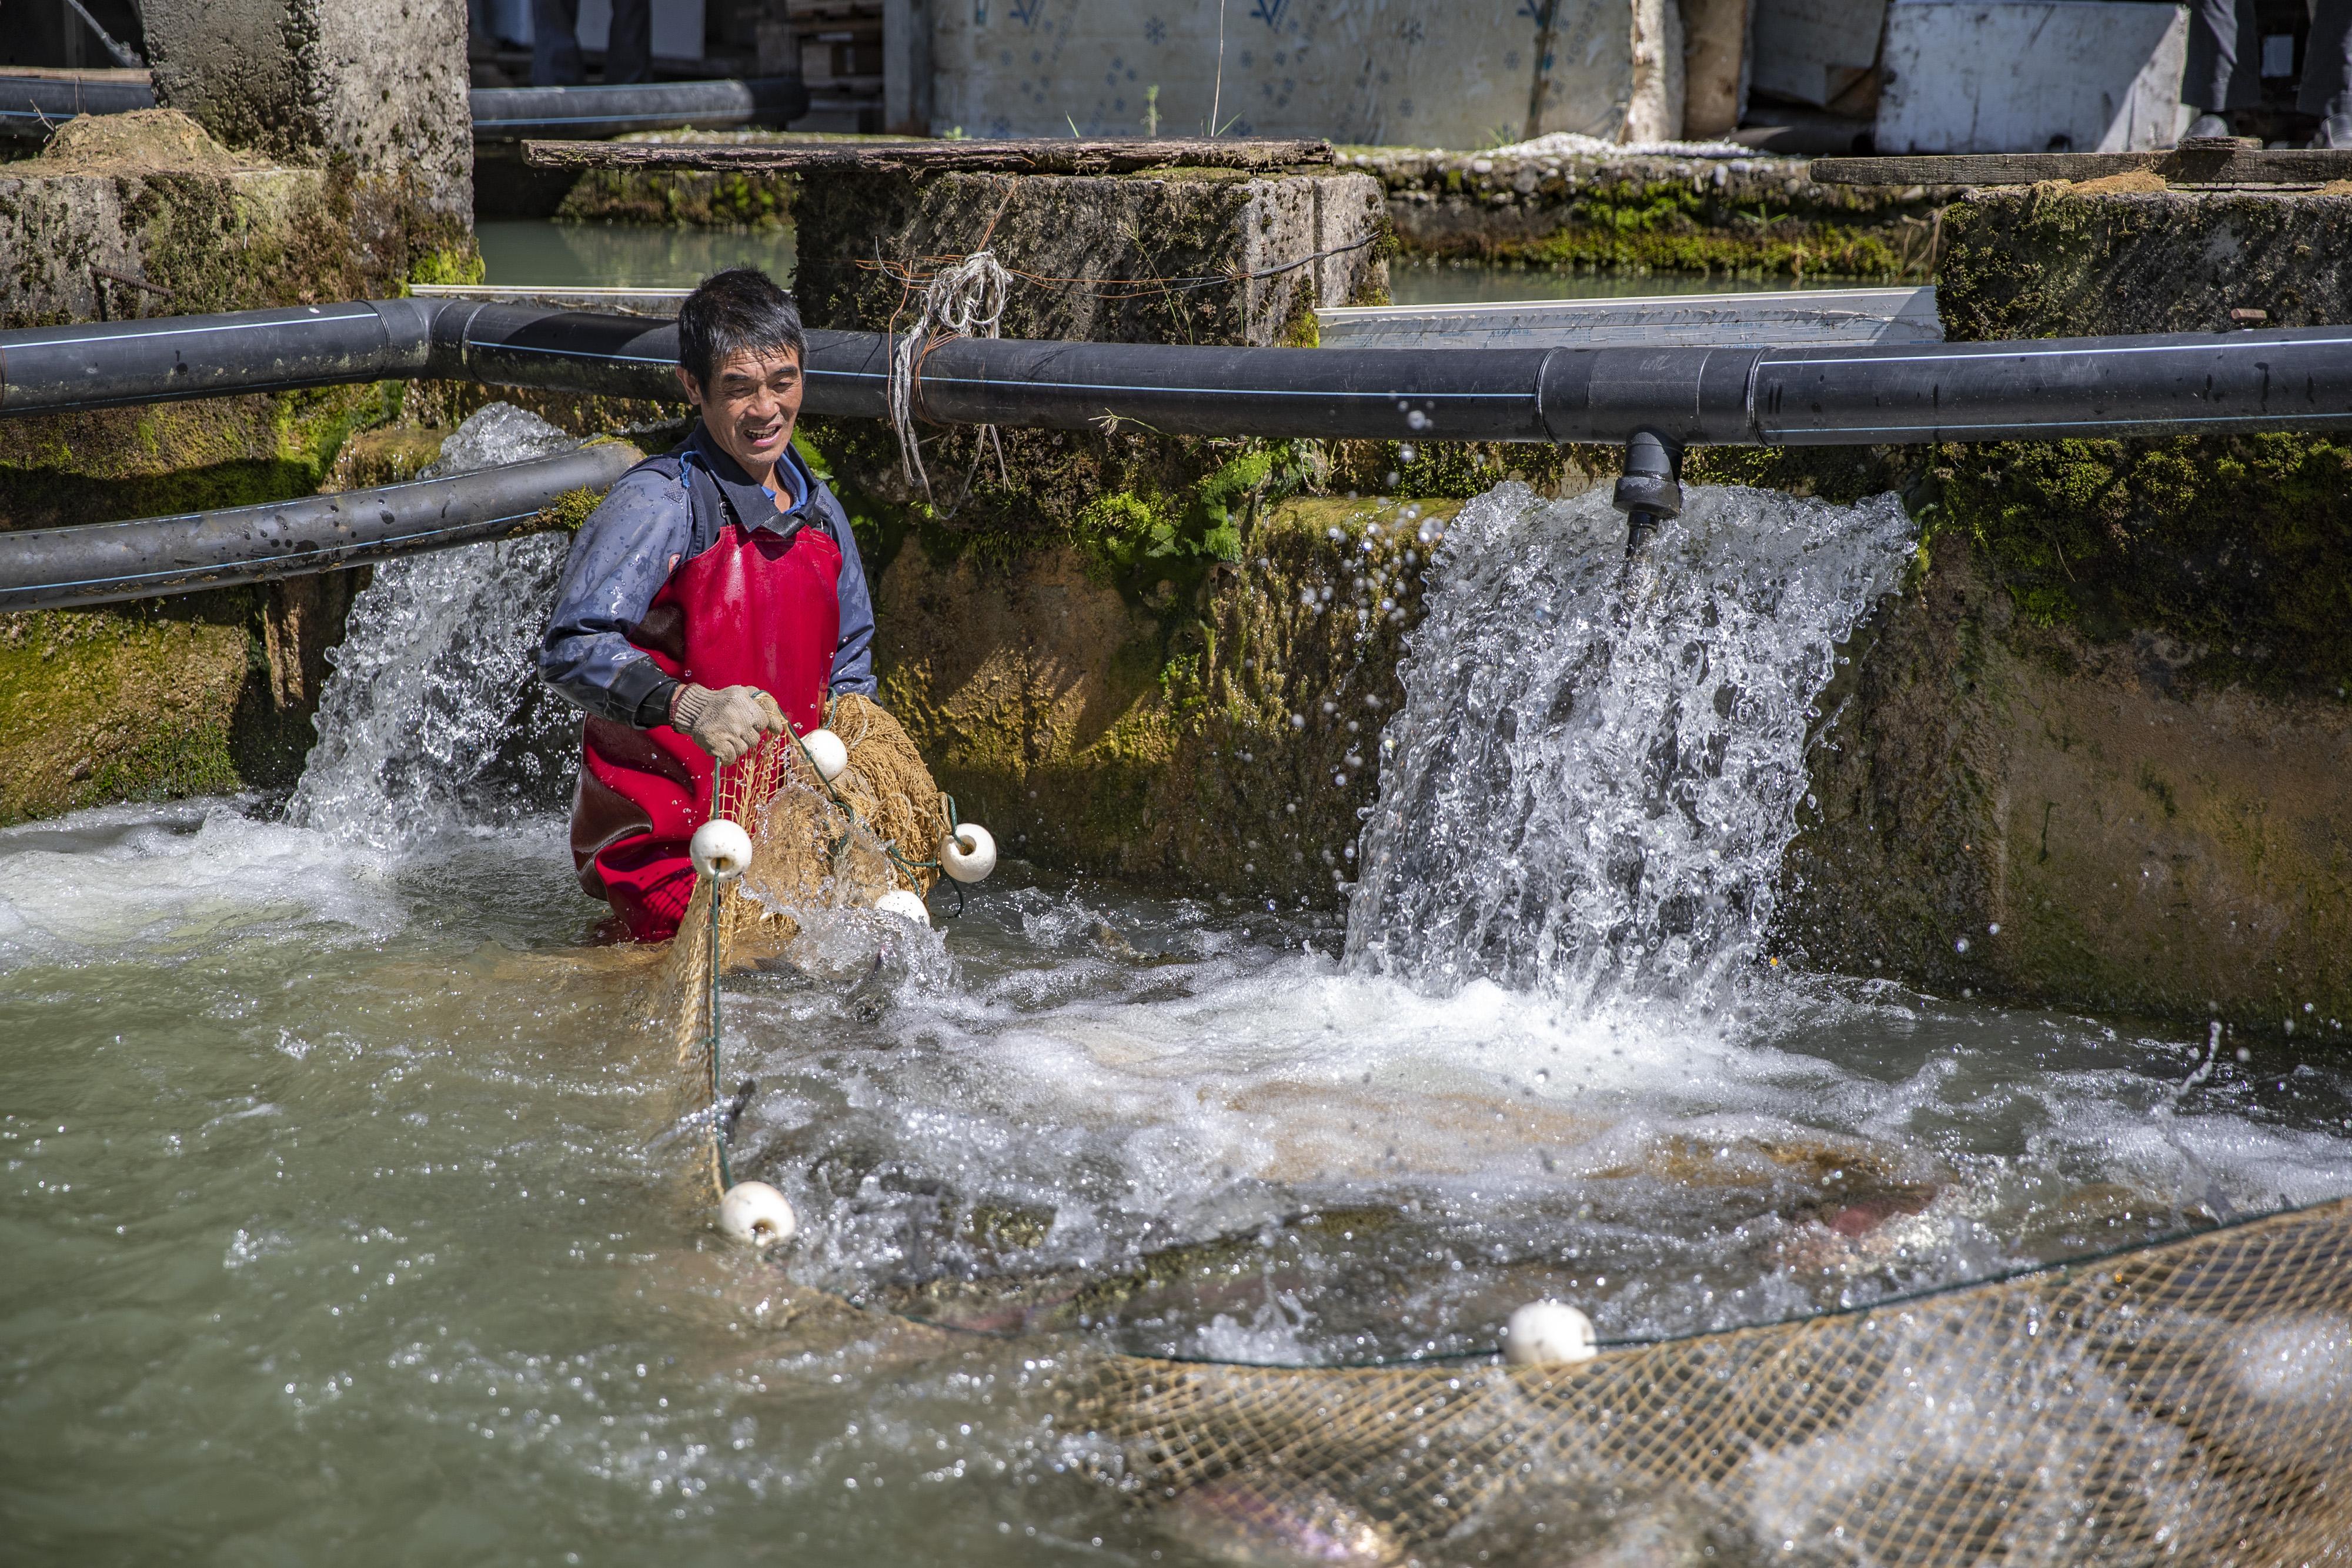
(149,197)
(1153,735)
(2060,260)
(2110,719)
(1652,211)
(377,87)
(1457,77)
(1192,256)
(2015,810)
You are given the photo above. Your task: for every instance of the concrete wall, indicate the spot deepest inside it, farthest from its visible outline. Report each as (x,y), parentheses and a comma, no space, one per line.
(1234,250)
(1406,71)
(378,88)
(2030,76)
(2099,752)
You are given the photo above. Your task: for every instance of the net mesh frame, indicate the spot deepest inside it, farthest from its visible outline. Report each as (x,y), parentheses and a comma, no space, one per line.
(2189,1402)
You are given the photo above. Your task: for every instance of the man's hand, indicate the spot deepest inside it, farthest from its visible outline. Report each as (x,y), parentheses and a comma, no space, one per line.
(726,724)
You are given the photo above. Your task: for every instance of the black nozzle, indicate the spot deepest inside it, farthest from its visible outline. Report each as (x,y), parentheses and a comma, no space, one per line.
(1648,493)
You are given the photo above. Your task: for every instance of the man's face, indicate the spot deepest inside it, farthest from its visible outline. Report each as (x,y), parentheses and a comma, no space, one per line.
(750,407)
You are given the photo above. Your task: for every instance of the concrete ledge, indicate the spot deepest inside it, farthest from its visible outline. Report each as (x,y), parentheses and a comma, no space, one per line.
(1652,211)
(2126,254)
(1182,257)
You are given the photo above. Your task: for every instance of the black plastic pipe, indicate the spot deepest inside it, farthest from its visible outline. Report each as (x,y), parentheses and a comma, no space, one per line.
(2297,378)
(32,106)
(551,114)
(103,563)
(57,370)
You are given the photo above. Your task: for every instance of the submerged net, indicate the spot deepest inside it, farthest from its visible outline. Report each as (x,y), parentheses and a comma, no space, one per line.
(2186,1401)
(2190,1401)
(818,845)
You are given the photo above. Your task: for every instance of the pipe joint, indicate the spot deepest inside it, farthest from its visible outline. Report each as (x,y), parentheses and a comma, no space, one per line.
(1649,492)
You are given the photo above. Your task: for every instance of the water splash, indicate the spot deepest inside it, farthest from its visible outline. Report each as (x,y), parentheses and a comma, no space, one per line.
(434,716)
(1599,761)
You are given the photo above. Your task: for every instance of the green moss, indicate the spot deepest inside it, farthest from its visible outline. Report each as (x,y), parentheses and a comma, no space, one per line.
(135,701)
(180,457)
(689,200)
(460,264)
(2239,547)
(1672,225)
(169,765)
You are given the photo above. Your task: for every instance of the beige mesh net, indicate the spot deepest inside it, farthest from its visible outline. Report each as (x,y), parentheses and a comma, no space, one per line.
(874,827)
(2189,1402)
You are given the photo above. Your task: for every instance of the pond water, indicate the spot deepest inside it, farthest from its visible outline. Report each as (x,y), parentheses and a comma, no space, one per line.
(531,252)
(349,1213)
(528,252)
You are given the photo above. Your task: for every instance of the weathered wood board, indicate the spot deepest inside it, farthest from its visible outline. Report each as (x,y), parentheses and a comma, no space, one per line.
(2197,163)
(1038,156)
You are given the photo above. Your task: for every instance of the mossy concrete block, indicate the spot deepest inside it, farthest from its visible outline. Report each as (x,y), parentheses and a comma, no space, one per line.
(1171,257)
(2096,756)
(143,214)
(378,90)
(1651,212)
(1220,740)
(131,704)
(2013,810)
(2057,260)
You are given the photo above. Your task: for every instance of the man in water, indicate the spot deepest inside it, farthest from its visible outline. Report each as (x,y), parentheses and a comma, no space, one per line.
(716,593)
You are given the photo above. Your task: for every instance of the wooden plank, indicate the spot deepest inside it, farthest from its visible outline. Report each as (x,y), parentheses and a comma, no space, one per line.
(618,302)
(2199,163)
(1778,318)
(1041,156)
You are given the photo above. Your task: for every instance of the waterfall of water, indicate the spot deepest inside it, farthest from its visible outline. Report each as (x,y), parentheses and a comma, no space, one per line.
(433,716)
(1600,760)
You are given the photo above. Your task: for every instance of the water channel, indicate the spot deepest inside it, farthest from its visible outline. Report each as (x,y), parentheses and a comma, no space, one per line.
(349,1215)
(527,252)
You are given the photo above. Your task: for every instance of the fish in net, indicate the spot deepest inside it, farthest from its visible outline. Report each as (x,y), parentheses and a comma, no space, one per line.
(2186,1401)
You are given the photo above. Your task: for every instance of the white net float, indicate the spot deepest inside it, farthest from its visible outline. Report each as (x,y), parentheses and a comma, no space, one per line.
(906,905)
(1546,1333)
(825,749)
(969,852)
(720,850)
(756,1214)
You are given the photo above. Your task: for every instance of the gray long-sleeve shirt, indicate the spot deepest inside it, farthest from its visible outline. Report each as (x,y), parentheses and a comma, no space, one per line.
(658,515)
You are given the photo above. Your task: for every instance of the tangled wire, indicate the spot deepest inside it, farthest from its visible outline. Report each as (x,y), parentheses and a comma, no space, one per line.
(964,300)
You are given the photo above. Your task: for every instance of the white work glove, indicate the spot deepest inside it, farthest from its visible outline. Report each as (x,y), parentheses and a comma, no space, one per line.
(727,723)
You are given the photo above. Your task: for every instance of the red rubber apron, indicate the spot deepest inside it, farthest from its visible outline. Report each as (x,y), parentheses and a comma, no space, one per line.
(756,609)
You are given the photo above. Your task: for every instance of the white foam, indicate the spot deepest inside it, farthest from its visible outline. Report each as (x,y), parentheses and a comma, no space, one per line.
(1599,761)
(157,880)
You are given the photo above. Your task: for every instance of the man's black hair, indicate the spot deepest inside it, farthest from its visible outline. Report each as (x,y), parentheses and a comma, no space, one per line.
(732,311)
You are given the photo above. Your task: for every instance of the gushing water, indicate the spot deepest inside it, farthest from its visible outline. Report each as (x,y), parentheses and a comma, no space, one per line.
(1599,762)
(433,714)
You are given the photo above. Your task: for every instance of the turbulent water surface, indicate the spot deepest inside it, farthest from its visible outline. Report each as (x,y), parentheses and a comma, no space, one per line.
(349,1213)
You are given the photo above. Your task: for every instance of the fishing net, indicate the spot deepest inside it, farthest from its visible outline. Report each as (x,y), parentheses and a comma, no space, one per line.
(2188,1401)
(818,845)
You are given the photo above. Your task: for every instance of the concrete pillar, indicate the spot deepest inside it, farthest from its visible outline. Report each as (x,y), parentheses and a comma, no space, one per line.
(377,88)
(1088,250)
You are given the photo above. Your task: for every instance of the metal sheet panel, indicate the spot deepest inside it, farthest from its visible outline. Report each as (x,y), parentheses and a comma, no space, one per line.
(1789,318)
